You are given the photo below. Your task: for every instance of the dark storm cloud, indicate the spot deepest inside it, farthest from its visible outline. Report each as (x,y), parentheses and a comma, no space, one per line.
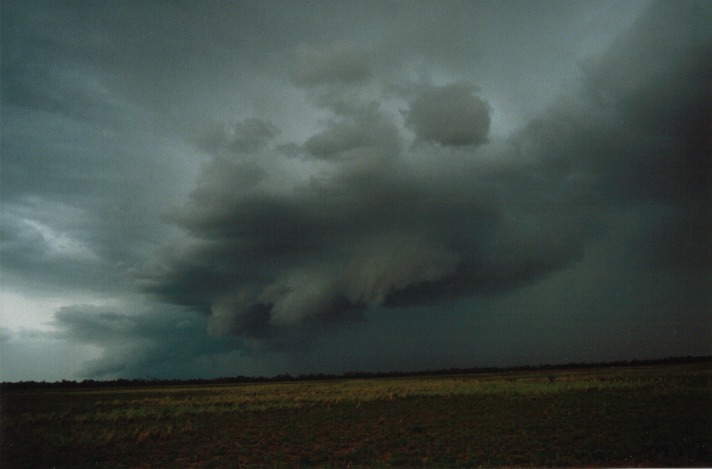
(87,172)
(652,145)
(675,238)
(56,250)
(654,93)
(367,135)
(245,136)
(334,63)
(378,226)
(450,115)
(370,229)
(101,105)
(164,343)
(391,174)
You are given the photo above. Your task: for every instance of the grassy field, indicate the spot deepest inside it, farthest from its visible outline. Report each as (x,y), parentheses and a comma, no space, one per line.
(630,416)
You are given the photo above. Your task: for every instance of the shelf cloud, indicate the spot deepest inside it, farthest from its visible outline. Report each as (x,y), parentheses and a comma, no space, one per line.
(323,187)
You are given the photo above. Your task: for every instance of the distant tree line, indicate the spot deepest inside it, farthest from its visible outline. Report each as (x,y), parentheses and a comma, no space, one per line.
(137,382)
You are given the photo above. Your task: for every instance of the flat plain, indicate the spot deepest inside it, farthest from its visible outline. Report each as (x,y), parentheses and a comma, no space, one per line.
(654,415)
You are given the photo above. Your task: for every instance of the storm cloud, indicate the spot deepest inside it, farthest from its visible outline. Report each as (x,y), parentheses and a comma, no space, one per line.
(371,226)
(362,219)
(450,115)
(334,63)
(329,186)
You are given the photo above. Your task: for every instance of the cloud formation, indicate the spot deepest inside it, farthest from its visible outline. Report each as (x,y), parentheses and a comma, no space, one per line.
(471,180)
(165,343)
(361,220)
(333,63)
(450,115)
(370,230)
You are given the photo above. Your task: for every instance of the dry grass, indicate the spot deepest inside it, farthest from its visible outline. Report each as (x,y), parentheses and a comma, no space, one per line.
(623,416)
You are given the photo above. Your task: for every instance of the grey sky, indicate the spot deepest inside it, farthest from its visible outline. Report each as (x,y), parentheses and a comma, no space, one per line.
(217,188)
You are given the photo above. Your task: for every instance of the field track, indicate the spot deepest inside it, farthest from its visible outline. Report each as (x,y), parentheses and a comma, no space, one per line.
(624,416)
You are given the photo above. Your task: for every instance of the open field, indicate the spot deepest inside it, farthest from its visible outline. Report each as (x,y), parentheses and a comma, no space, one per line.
(629,416)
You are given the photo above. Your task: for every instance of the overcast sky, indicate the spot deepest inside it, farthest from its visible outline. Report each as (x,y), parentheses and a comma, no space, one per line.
(201,189)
